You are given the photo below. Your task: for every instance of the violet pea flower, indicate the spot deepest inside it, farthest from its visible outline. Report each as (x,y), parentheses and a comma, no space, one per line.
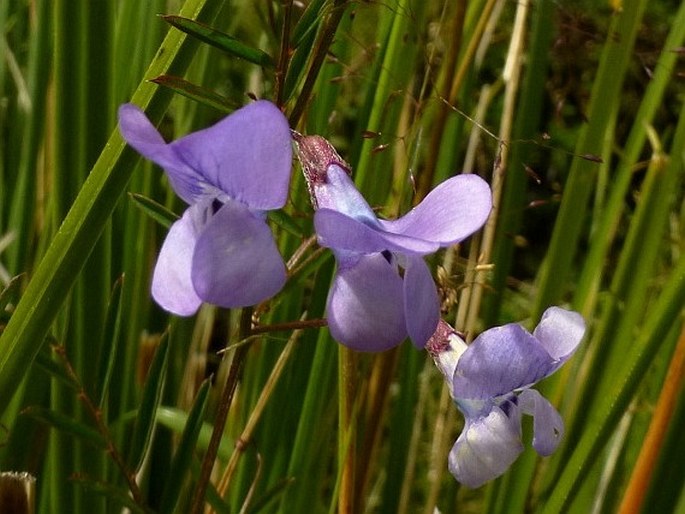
(383,290)
(490,382)
(221,250)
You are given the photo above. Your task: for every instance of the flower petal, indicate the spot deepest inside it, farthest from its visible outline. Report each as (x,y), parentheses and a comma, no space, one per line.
(236,262)
(560,332)
(452,211)
(172,287)
(339,231)
(548,426)
(364,309)
(500,361)
(421,303)
(138,132)
(486,447)
(247,155)
(339,193)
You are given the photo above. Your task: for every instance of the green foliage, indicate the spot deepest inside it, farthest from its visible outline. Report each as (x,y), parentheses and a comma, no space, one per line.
(582,139)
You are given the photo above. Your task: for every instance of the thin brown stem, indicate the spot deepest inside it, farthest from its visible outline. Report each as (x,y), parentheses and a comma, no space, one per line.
(282,67)
(96,413)
(222,413)
(321,49)
(289,325)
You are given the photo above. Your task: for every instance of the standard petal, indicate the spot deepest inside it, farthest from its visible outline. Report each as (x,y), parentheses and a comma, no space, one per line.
(364,309)
(421,303)
(560,332)
(138,132)
(487,447)
(172,287)
(548,426)
(499,361)
(339,231)
(236,262)
(247,155)
(452,211)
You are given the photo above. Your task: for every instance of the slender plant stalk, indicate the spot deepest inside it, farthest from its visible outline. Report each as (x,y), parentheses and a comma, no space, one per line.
(347,432)
(96,414)
(640,479)
(512,77)
(320,49)
(452,94)
(257,412)
(237,361)
(284,54)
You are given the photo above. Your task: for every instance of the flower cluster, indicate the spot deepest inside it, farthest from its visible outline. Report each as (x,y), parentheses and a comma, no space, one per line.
(490,382)
(221,251)
(383,291)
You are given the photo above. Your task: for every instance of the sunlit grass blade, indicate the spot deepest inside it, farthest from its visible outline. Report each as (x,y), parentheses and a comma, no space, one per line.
(220,40)
(177,420)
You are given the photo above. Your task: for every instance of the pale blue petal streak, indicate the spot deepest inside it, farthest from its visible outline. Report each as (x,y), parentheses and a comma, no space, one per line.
(487,446)
(172,287)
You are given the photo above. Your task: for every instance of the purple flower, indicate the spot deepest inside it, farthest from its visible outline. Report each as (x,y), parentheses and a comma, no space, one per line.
(221,251)
(383,290)
(490,382)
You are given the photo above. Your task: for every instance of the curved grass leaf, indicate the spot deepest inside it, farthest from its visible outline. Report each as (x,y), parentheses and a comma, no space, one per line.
(308,23)
(156,211)
(183,456)
(67,425)
(197,93)
(220,40)
(120,496)
(152,396)
(177,419)
(111,341)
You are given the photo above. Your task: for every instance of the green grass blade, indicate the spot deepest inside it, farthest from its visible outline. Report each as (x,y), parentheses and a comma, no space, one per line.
(81,228)
(221,41)
(156,211)
(152,397)
(604,235)
(196,93)
(110,345)
(184,453)
(552,279)
(613,402)
(68,425)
